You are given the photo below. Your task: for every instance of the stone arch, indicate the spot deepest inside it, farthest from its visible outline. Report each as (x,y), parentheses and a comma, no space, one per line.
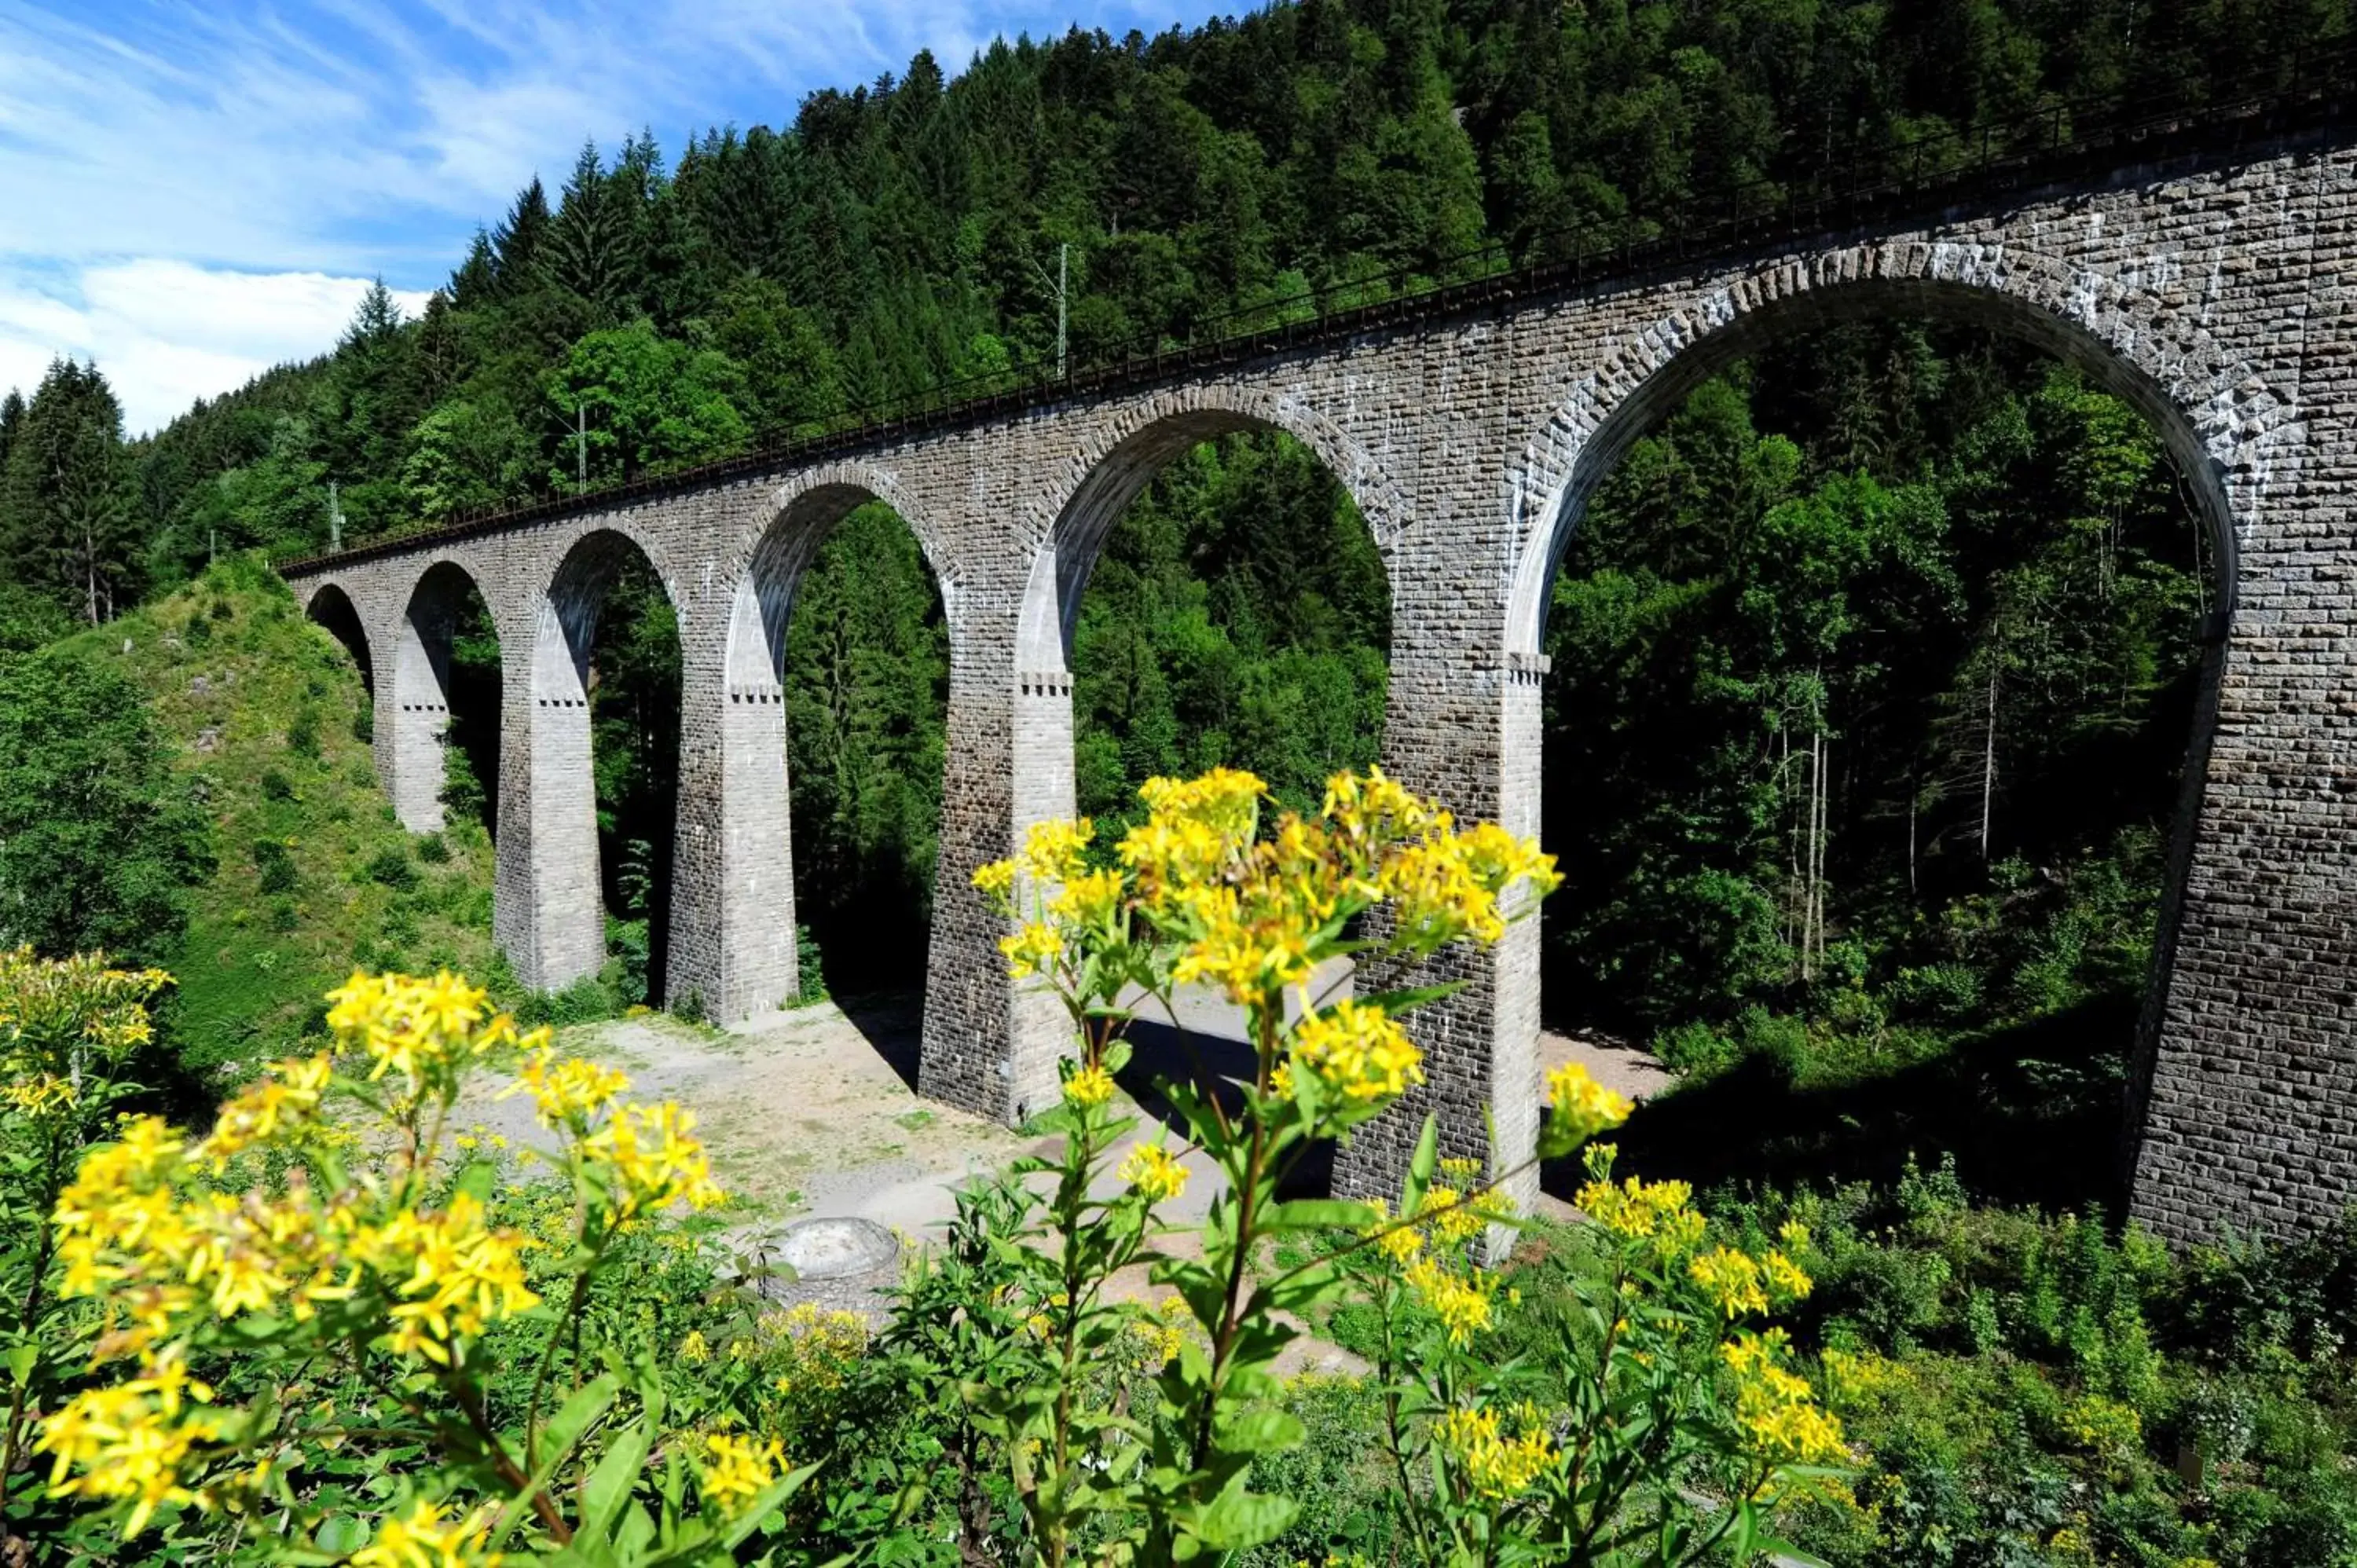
(418,712)
(2232,435)
(1121,456)
(567,625)
(332,608)
(769,566)
(2221,422)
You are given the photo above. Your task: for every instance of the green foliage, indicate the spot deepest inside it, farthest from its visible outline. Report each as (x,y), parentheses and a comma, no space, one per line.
(263,849)
(99,840)
(1240,616)
(868,671)
(70,523)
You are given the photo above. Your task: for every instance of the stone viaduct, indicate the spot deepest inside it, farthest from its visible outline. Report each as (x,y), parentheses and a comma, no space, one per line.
(2215,291)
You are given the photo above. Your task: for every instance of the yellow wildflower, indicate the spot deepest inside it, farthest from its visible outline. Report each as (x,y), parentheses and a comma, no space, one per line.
(1153,1171)
(39,1094)
(414,1026)
(568,1090)
(1032,950)
(651,1160)
(1052,851)
(285,1097)
(1731,1279)
(1496,1467)
(996,880)
(1357,1051)
(1090,897)
(1578,1107)
(422,1537)
(1089,1085)
(131,1441)
(694,1350)
(1461,1304)
(1787,1282)
(1779,1418)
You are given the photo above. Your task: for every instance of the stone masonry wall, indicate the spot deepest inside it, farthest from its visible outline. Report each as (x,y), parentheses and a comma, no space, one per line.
(2219,297)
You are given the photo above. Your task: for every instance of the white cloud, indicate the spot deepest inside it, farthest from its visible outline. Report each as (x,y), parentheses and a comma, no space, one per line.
(168,332)
(192,193)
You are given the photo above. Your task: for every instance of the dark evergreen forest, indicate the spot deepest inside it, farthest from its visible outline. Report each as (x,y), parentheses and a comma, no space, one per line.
(1873,666)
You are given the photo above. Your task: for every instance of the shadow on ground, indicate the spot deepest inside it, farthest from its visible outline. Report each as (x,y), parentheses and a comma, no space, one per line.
(2032,1114)
(893,1022)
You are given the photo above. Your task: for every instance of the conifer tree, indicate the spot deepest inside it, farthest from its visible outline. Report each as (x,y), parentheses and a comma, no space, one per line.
(68,522)
(516,244)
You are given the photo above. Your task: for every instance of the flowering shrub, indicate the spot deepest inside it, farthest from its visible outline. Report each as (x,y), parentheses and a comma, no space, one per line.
(328,1330)
(299,1248)
(1683,1421)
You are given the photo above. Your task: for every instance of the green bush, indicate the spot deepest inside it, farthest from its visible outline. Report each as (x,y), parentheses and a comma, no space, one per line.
(391,867)
(274,866)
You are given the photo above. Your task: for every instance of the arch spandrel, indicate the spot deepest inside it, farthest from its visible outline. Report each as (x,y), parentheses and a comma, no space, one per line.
(2221,422)
(1114,462)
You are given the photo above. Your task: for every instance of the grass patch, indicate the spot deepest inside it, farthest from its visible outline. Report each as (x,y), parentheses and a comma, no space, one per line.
(254,698)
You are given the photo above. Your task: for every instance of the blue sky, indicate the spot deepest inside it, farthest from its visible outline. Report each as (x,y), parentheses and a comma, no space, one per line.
(191,190)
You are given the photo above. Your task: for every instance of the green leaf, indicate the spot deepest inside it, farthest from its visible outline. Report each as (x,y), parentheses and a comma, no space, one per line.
(1260,1431)
(1420,1168)
(1239,1519)
(1318,1214)
(609,1486)
(557,1438)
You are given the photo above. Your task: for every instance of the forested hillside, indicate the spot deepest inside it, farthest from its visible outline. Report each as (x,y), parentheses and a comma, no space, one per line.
(1965,522)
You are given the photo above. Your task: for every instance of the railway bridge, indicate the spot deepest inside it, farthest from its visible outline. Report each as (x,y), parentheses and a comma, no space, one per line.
(2208,278)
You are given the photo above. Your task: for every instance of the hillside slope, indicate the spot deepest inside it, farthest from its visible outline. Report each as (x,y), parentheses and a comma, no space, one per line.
(269,720)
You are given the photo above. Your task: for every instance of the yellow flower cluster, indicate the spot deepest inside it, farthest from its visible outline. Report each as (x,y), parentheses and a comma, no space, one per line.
(568,1090)
(1578,1108)
(422,1537)
(1780,1419)
(1462,1304)
(1659,1212)
(1852,1378)
(1089,898)
(995,880)
(1033,949)
(1739,1284)
(133,1228)
(284,1100)
(131,1441)
(419,1028)
(649,1161)
(1496,1467)
(1447,884)
(738,1470)
(1089,1085)
(1055,851)
(57,1015)
(1161,1332)
(813,1347)
(1357,1052)
(2103,1426)
(455,1276)
(39,1095)
(1151,1169)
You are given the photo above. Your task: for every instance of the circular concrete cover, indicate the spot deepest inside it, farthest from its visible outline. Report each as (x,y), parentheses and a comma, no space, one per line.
(834,1248)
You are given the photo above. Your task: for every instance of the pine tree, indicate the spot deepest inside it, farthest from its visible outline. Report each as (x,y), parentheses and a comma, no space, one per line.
(517,243)
(590,247)
(476,282)
(68,522)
